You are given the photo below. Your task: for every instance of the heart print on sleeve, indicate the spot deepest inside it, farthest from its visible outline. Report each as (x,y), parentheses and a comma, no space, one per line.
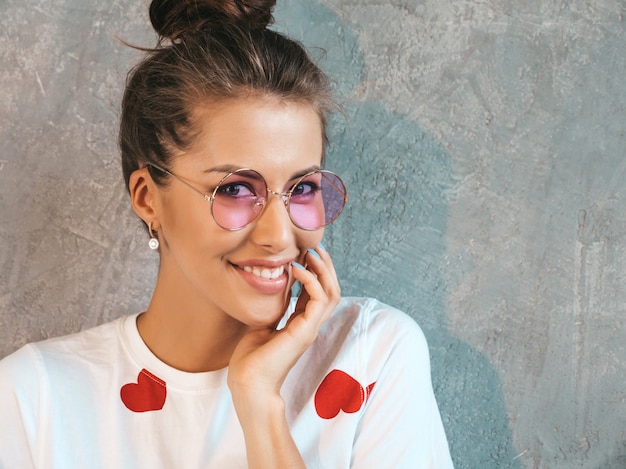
(339,391)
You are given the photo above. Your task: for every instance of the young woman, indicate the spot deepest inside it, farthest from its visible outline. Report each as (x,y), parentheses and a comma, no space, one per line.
(222,138)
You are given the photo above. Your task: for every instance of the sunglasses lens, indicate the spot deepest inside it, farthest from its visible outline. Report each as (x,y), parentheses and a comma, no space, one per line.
(239,199)
(317,200)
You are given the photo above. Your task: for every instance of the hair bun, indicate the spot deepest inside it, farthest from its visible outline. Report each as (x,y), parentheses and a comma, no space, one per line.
(173,19)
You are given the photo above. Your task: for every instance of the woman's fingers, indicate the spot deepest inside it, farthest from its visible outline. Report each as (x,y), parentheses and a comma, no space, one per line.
(320,263)
(320,294)
(303,299)
(322,266)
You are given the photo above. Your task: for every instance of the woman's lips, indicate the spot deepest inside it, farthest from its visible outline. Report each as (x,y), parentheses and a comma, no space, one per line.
(269,280)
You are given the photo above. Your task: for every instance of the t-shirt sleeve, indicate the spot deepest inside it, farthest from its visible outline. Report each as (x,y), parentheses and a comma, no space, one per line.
(401,426)
(19,409)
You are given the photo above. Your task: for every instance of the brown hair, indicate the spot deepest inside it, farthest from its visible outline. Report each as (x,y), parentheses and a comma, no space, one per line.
(209,49)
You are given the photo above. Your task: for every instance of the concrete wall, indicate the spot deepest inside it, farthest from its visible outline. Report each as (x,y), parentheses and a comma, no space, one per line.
(483,145)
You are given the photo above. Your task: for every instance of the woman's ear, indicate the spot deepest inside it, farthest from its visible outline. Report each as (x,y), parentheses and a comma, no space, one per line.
(143,196)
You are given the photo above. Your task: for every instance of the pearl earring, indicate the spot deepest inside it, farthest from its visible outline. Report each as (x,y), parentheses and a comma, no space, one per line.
(154,241)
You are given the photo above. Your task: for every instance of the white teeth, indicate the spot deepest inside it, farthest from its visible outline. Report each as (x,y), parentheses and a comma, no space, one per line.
(264,272)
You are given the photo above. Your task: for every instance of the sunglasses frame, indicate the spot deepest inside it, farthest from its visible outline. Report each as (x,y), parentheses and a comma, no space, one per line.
(286,196)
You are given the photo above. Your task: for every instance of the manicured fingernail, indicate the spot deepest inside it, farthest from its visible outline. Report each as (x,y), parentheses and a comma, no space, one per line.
(320,245)
(314,253)
(299,266)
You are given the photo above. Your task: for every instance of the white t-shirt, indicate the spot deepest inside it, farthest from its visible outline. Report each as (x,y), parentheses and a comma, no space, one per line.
(360,397)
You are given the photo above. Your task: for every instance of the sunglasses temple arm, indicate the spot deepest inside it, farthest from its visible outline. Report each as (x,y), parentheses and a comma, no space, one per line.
(207,197)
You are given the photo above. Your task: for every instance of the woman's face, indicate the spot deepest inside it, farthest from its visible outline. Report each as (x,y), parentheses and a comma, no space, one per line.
(226,271)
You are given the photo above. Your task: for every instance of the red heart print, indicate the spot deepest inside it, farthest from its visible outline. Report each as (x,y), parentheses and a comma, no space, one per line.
(147,394)
(339,391)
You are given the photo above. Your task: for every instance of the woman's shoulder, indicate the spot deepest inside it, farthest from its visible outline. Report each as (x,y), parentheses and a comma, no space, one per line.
(368,341)
(94,343)
(373,315)
(373,327)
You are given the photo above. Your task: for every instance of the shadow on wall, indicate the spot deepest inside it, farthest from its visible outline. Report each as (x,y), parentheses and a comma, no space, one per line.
(390,241)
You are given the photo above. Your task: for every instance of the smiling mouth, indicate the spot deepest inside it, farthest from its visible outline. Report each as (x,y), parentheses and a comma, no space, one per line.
(265,272)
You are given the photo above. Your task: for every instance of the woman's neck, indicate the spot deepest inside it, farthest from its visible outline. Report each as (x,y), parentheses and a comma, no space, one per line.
(185,333)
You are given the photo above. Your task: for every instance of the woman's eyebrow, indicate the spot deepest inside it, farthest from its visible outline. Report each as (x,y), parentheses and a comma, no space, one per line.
(308,170)
(229,168)
(226,168)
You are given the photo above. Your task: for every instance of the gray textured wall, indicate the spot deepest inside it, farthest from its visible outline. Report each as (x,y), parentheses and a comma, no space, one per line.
(484,148)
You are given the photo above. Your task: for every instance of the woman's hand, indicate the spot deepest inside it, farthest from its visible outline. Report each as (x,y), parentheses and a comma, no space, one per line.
(263,358)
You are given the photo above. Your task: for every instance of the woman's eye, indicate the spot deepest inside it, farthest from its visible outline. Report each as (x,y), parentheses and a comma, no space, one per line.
(235,190)
(304,189)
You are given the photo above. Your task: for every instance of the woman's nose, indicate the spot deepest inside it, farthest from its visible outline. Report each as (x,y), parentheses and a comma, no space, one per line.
(273,228)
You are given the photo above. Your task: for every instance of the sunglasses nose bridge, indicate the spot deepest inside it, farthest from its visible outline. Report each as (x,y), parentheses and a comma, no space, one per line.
(282,195)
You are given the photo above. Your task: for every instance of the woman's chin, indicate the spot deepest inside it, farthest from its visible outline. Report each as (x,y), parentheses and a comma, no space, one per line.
(268,312)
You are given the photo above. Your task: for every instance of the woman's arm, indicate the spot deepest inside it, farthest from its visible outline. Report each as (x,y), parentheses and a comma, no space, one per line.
(19,409)
(263,359)
(401,426)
